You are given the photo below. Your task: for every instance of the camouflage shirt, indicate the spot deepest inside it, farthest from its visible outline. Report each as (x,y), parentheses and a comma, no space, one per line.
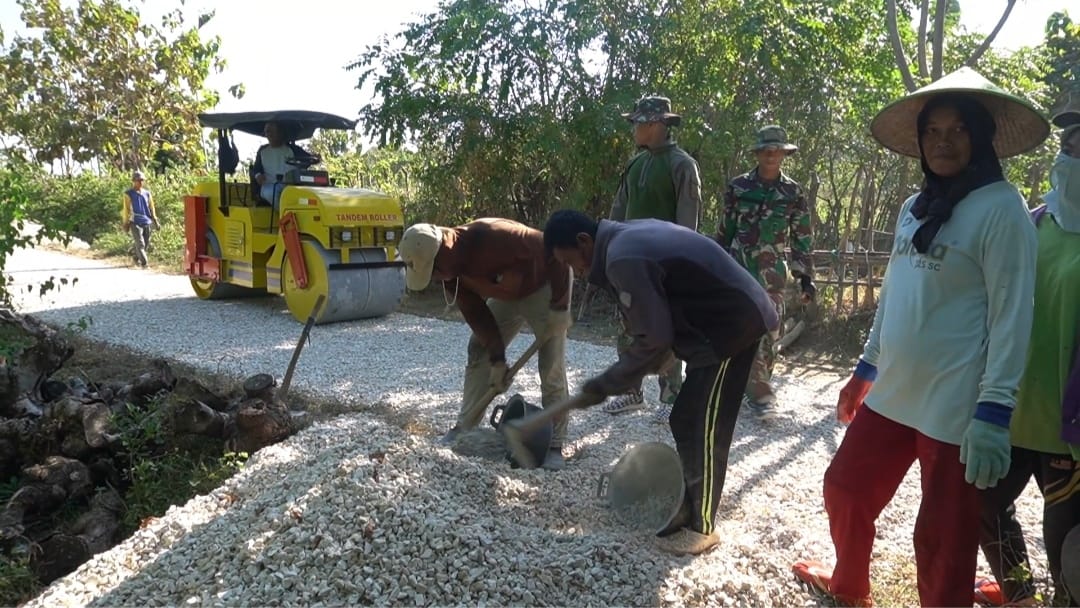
(762,219)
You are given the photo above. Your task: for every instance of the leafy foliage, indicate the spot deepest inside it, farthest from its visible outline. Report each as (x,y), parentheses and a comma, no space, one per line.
(88,206)
(101,84)
(15,200)
(1062,55)
(513,106)
(17,580)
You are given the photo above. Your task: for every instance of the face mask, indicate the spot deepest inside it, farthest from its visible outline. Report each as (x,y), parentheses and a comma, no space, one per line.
(1063,202)
(1065,179)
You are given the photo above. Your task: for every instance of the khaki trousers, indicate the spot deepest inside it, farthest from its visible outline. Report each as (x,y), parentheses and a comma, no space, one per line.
(533,310)
(759,388)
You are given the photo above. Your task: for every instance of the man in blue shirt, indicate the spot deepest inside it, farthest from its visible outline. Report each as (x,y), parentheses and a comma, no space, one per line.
(139,216)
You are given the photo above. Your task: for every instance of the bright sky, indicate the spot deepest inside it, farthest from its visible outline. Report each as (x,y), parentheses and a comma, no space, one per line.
(291,54)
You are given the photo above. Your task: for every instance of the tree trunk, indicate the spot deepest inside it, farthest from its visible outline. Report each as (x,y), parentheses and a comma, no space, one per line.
(978,53)
(259,424)
(52,483)
(66,432)
(195,417)
(939,38)
(924,16)
(897,45)
(94,532)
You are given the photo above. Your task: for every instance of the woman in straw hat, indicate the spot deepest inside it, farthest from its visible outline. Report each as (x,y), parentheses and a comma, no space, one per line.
(946,349)
(1045,428)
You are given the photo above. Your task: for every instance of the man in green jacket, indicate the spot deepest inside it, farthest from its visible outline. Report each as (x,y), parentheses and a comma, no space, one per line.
(660,182)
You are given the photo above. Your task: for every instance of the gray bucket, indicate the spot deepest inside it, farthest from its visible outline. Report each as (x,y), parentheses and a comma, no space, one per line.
(646,487)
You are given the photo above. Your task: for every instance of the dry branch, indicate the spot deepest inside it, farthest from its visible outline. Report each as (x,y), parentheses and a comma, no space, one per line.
(898,46)
(978,52)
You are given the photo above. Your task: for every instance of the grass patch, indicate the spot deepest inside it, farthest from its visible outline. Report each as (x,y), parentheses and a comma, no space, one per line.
(17,581)
(161,472)
(892,582)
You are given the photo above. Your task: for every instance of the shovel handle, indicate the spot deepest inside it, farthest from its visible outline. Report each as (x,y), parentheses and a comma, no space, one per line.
(516,430)
(520,363)
(525,356)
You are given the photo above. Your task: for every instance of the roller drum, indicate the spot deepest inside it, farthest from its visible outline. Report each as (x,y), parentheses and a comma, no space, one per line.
(352,291)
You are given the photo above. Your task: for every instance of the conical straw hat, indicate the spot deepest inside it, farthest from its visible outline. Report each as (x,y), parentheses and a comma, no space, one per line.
(1020,127)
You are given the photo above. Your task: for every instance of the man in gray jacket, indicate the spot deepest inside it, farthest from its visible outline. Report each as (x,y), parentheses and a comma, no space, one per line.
(682,295)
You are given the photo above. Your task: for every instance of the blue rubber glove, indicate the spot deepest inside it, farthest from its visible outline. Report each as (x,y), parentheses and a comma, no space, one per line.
(985,448)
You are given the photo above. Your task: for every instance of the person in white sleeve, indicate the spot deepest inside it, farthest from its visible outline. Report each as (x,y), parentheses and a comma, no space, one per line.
(947,345)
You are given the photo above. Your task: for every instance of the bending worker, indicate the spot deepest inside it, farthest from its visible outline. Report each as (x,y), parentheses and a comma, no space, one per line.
(683,296)
(496,272)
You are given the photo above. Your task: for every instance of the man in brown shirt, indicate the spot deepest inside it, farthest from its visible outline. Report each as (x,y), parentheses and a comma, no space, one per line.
(498,274)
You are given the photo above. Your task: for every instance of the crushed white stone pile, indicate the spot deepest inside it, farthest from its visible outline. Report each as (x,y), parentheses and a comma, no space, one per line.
(367,508)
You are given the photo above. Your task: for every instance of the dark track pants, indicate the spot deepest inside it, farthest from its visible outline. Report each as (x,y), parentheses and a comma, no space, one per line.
(702,423)
(864,474)
(1002,539)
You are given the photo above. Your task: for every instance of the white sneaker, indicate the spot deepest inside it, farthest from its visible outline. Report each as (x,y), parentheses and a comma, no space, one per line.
(663,413)
(627,402)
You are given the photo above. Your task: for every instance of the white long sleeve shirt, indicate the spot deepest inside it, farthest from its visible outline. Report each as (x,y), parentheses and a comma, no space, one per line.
(952,325)
(274,161)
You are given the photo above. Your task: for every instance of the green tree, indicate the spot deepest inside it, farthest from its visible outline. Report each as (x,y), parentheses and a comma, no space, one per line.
(1061,52)
(101,83)
(15,192)
(514,106)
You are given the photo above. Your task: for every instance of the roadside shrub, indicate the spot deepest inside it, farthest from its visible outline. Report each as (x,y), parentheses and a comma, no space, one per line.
(89,206)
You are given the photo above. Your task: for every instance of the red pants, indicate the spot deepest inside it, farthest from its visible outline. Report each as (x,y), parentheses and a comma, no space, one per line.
(863,477)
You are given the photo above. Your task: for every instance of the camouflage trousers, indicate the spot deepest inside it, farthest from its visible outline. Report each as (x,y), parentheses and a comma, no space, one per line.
(670,381)
(759,388)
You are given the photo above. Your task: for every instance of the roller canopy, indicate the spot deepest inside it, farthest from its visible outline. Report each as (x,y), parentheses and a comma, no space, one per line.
(298,124)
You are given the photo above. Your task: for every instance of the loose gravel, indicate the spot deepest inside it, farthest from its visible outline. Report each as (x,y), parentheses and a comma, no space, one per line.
(367,508)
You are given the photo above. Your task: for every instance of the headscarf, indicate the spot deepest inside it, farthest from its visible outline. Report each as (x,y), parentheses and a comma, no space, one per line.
(940,195)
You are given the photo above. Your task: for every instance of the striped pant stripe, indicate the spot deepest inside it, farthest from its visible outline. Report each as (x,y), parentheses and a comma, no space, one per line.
(712,415)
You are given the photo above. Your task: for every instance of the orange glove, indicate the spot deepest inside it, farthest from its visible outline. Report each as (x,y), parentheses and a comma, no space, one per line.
(854,392)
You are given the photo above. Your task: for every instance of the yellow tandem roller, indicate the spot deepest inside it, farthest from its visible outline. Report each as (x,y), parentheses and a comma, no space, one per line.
(365,287)
(309,238)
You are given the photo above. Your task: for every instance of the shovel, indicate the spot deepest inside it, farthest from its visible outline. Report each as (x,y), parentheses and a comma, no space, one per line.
(283,392)
(522,360)
(515,430)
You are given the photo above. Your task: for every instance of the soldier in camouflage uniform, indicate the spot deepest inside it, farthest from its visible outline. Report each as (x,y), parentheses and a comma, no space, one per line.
(660,182)
(765,211)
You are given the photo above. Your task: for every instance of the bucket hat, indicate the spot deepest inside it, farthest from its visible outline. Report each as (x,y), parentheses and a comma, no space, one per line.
(137,175)
(1069,115)
(653,109)
(1020,127)
(773,136)
(418,248)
